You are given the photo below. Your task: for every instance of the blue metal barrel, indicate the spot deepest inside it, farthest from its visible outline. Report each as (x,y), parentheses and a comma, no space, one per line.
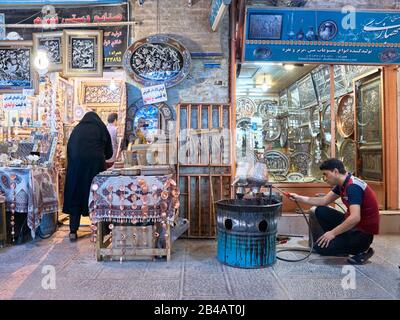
(246,232)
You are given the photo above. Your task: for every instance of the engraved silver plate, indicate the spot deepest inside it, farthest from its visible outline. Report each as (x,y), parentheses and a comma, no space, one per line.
(271,130)
(245,108)
(268,109)
(277,162)
(301,161)
(348,154)
(295,177)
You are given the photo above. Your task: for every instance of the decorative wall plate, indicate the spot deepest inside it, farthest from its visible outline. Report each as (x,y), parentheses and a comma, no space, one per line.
(277,162)
(284,133)
(345,116)
(295,177)
(156,60)
(243,123)
(347,154)
(245,107)
(268,109)
(315,122)
(301,161)
(278,177)
(271,130)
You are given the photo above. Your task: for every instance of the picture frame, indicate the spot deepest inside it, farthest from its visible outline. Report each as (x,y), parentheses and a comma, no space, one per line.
(52,42)
(265,26)
(16,72)
(83,53)
(99,93)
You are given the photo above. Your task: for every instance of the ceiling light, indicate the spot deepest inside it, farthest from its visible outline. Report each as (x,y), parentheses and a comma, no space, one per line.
(288,67)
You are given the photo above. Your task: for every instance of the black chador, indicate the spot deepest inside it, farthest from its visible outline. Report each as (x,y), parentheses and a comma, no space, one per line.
(88,148)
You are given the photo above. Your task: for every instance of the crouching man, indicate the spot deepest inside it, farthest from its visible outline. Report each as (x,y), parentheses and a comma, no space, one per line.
(335,233)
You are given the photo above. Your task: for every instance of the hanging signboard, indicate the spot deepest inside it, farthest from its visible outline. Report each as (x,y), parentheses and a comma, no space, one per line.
(115,39)
(15,102)
(154,94)
(303,35)
(217,11)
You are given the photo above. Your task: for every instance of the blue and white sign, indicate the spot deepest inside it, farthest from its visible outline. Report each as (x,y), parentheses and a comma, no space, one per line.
(304,35)
(154,94)
(217,12)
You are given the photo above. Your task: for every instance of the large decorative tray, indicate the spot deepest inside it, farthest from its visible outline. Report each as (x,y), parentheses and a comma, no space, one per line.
(347,154)
(277,162)
(345,116)
(271,130)
(301,161)
(245,108)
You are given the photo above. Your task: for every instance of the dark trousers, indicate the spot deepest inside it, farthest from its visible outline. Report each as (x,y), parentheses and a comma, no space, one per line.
(350,242)
(74,222)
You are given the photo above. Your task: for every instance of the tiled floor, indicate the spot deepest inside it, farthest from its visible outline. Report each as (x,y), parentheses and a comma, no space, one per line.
(193,273)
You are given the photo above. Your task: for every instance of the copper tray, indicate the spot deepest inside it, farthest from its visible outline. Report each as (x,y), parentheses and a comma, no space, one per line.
(345,116)
(347,154)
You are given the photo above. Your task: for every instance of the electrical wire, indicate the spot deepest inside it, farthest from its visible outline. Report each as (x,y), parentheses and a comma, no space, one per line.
(299,249)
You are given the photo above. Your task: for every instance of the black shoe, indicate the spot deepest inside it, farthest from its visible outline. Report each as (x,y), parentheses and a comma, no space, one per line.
(73,236)
(361,258)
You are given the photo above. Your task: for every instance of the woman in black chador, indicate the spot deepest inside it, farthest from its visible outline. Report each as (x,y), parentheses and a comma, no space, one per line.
(88,148)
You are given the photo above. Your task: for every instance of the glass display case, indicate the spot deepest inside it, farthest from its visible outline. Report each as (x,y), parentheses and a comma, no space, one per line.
(296,129)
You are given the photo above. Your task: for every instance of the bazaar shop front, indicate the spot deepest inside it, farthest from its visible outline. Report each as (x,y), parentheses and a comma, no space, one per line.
(58,61)
(308,89)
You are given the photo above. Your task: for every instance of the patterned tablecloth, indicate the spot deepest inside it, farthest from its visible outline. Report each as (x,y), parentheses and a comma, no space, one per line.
(133,199)
(32,190)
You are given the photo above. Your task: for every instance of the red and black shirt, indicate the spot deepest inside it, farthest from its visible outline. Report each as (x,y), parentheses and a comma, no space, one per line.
(357,191)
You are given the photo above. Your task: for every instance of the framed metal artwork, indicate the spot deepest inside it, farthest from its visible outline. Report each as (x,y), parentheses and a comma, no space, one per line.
(345,116)
(16,66)
(83,53)
(308,96)
(51,42)
(321,76)
(347,153)
(157,60)
(277,162)
(371,164)
(265,26)
(100,94)
(294,97)
(368,110)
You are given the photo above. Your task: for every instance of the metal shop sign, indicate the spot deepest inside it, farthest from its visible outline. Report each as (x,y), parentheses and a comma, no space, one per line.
(115,39)
(303,35)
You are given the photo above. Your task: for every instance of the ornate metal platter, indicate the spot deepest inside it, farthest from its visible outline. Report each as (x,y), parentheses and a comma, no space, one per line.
(347,154)
(301,161)
(243,123)
(277,162)
(157,60)
(284,133)
(315,122)
(268,109)
(245,107)
(295,177)
(271,130)
(345,116)
(278,177)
